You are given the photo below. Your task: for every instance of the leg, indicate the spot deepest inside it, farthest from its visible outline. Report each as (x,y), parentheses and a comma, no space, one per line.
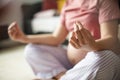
(102,65)
(46,61)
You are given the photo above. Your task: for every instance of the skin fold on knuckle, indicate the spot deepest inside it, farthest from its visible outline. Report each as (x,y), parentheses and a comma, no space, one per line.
(74,43)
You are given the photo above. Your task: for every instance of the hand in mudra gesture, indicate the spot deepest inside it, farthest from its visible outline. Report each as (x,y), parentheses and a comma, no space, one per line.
(82,38)
(15,33)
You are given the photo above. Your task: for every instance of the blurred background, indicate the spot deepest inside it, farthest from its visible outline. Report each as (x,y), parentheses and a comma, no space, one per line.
(33,17)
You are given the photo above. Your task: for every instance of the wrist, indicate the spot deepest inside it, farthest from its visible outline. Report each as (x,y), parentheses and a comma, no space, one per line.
(25,39)
(97,47)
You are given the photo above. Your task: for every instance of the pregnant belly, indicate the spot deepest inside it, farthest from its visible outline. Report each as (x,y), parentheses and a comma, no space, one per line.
(75,55)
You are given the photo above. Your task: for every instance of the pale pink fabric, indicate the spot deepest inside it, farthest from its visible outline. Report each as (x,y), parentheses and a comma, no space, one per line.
(90,13)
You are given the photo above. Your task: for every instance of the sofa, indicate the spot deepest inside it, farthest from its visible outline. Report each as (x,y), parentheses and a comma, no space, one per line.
(35,16)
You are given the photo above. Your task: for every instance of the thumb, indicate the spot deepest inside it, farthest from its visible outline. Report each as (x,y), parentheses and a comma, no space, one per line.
(16,26)
(11,25)
(79,25)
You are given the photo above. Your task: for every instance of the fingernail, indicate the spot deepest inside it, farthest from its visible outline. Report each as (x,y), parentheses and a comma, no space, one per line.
(13,23)
(79,25)
(75,27)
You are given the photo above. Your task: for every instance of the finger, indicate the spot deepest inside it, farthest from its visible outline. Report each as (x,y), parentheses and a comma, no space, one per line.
(12,29)
(14,26)
(17,27)
(78,34)
(76,30)
(80,26)
(90,37)
(12,33)
(74,45)
(11,25)
(86,36)
(74,40)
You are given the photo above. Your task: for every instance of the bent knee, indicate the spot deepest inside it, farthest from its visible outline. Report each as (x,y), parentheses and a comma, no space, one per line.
(31,50)
(102,57)
(107,54)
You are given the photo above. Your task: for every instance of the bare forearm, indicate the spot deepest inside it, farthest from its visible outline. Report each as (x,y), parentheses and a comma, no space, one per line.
(47,39)
(54,39)
(109,36)
(108,43)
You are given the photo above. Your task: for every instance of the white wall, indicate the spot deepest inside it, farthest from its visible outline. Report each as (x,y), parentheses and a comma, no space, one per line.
(12,11)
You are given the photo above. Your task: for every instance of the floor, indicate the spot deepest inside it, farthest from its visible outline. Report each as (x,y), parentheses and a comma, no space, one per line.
(13,65)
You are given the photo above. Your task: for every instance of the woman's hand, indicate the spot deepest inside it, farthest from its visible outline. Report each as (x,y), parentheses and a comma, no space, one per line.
(82,38)
(15,33)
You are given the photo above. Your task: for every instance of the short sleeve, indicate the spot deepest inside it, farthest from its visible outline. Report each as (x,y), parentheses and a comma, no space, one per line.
(62,14)
(62,18)
(108,10)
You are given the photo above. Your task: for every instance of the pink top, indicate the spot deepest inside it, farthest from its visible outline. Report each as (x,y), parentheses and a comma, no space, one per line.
(90,13)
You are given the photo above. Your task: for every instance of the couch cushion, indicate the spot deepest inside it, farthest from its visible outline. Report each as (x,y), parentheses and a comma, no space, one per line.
(49,4)
(47,24)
